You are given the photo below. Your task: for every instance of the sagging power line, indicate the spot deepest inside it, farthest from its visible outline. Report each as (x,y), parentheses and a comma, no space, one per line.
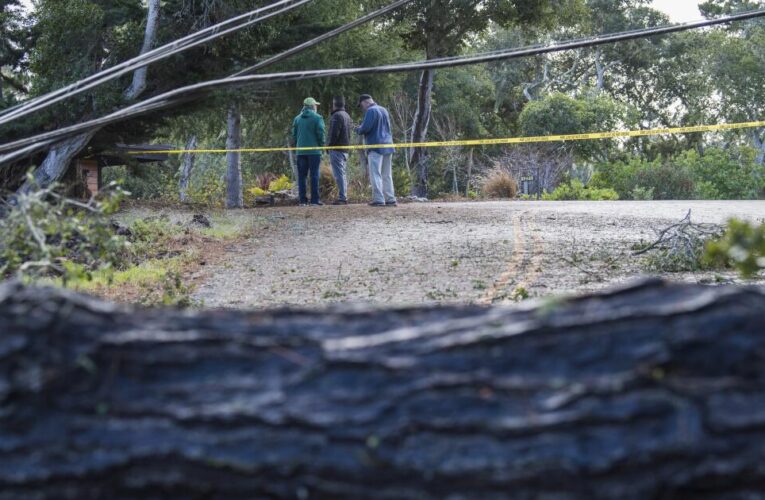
(184,94)
(180,45)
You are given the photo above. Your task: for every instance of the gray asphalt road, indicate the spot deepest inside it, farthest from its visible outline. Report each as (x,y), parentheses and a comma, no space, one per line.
(484,252)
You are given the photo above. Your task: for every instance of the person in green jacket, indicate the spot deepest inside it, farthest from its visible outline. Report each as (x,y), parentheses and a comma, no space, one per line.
(308,131)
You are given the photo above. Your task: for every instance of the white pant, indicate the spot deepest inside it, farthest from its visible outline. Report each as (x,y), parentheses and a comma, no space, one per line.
(381,177)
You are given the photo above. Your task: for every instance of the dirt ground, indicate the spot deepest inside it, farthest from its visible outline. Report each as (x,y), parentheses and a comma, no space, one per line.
(481,252)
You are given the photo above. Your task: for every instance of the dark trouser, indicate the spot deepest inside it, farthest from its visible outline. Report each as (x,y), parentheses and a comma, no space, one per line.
(306,163)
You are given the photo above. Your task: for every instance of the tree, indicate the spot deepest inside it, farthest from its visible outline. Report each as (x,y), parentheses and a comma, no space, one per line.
(441,28)
(234,196)
(76,38)
(736,66)
(14,42)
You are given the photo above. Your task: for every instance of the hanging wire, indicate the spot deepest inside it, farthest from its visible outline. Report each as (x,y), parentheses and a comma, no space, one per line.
(182,44)
(195,91)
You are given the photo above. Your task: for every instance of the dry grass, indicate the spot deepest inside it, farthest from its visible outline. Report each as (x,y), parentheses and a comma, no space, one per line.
(499,183)
(327,184)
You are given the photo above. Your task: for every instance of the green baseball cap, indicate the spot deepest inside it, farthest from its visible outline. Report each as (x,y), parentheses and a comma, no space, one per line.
(310,101)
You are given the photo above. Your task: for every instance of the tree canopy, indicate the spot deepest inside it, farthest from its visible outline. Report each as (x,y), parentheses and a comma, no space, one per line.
(682,79)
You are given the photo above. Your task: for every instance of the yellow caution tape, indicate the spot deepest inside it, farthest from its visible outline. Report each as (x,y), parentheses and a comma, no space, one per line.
(482,142)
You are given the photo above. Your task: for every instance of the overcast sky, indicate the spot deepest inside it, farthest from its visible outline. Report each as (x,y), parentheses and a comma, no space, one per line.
(679,11)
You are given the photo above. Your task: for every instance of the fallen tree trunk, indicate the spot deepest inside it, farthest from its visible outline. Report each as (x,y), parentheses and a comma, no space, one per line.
(657,391)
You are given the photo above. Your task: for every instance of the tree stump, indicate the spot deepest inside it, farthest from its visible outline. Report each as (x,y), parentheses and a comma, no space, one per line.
(652,391)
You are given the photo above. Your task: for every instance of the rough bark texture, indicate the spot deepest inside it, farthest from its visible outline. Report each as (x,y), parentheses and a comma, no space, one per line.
(657,391)
(758,138)
(187,165)
(149,37)
(469,172)
(234,194)
(419,159)
(58,160)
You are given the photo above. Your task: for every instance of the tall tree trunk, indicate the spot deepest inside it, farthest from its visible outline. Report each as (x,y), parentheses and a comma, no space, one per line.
(758,138)
(655,391)
(600,71)
(57,161)
(419,156)
(234,195)
(292,157)
(187,165)
(149,37)
(469,171)
(61,153)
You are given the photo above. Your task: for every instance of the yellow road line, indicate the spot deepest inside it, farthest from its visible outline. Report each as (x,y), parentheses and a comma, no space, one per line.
(483,142)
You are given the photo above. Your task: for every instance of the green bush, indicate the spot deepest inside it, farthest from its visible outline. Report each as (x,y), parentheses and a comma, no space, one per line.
(45,234)
(145,182)
(150,237)
(638,177)
(575,190)
(742,245)
(717,174)
(640,193)
(723,175)
(209,191)
(402,181)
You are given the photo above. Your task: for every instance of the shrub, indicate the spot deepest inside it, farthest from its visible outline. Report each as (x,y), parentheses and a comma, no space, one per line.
(151,236)
(207,190)
(276,184)
(145,182)
(668,182)
(282,183)
(742,245)
(640,193)
(575,190)
(662,180)
(402,181)
(45,234)
(717,174)
(499,184)
(327,184)
(723,175)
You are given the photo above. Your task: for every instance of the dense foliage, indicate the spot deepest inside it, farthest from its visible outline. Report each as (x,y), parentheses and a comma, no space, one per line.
(689,78)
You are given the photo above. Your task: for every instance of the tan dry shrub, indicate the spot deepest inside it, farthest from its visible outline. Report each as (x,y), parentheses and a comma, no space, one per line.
(327,184)
(499,183)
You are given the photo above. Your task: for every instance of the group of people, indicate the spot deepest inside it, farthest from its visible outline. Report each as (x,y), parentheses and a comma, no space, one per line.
(308,131)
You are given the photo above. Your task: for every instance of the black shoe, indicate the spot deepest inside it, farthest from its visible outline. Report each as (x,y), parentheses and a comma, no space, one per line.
(376,204)
(317,204)
(340,202)
(391,203)
(304,204)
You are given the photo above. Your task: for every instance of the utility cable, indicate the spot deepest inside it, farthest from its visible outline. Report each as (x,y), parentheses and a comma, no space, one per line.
(192,40)
(184,94)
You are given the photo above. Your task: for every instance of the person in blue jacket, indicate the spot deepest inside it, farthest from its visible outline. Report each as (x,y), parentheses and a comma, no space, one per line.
(376,130)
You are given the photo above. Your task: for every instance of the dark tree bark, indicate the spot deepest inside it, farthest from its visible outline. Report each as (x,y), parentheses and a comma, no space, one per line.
(149,38)
(655,391)
(187,166)
(419,158)
(58,160)
(234,194)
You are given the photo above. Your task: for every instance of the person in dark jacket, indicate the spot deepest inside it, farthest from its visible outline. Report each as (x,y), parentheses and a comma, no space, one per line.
(339,135)
(376,130)
(307,132)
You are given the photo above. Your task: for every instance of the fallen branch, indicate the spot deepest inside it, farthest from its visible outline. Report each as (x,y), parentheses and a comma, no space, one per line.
(680,246)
